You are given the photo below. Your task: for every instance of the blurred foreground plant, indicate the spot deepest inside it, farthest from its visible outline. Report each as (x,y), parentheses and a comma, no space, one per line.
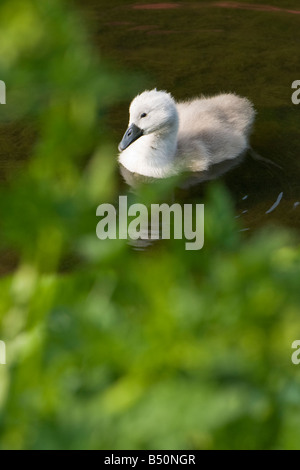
(126,350)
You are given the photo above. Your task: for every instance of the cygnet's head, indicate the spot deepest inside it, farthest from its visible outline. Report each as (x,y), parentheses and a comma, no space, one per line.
(150,112)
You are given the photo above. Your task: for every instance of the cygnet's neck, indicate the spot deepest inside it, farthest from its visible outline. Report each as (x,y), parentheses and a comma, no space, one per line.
(152,154)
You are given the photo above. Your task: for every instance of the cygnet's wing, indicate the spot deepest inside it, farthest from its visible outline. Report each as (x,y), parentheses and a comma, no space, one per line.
(213,129)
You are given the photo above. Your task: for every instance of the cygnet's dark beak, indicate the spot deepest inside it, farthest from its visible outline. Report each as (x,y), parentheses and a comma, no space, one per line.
(133,133)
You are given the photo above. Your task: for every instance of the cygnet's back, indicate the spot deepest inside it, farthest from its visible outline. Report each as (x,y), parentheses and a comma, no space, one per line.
(213,129)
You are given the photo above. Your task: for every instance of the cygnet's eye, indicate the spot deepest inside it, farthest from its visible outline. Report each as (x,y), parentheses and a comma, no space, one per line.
(143,115)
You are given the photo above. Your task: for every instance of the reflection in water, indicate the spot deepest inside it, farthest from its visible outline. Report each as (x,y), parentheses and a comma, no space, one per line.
(147,27)
(275,204)
(233,5)
(157,6)
(166,221)
(249,6)
(152,231)
(254,202)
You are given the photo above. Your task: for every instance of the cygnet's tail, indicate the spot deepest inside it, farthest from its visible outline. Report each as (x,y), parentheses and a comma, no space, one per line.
(238,112)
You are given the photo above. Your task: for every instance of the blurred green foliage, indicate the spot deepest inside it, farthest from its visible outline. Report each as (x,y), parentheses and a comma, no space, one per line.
(165,349)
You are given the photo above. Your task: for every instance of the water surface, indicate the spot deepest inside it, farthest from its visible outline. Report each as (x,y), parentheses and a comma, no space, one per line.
(194,48)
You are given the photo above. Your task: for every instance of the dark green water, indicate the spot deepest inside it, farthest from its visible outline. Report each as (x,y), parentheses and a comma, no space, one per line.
(194,48)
